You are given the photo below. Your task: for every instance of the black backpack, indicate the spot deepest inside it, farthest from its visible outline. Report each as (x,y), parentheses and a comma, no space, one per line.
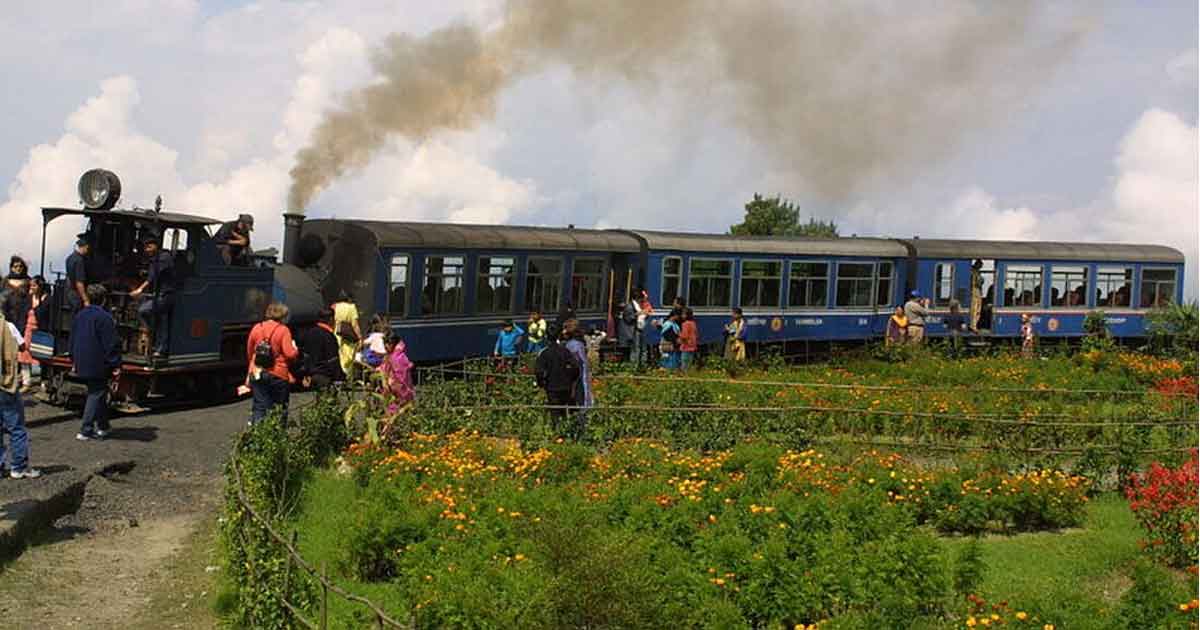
(557,369)
(264,355)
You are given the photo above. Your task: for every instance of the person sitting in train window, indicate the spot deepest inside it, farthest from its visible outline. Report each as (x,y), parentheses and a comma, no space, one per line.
(897,328)
(1078,297)
(536,332)
(233,240)
(77,274)
(508,344)
(319,353)
(155,309)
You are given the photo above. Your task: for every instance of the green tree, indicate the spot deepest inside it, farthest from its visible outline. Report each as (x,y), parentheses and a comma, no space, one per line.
(775,216)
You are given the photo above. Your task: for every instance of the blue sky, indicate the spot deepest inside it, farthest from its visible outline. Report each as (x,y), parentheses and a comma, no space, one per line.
(206,102)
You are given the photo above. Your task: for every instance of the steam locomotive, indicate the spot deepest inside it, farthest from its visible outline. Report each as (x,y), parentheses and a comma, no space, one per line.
(447,288)
(216,303)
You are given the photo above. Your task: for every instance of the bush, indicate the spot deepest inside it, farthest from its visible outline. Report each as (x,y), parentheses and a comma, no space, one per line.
(273,464)
(1165,503)
(1154,602)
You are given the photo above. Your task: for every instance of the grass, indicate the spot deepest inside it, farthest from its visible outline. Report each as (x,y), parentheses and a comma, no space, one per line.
(1073,578)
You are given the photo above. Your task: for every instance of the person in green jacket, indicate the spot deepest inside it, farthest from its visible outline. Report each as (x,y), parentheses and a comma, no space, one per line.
(535,336)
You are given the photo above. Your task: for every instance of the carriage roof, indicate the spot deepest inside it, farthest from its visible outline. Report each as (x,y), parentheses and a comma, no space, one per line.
(1044,250)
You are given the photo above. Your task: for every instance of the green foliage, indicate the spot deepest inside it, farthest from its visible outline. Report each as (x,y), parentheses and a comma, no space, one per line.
(969,568)
(1154,601)
(774,216)
(1175,329)
(273,464)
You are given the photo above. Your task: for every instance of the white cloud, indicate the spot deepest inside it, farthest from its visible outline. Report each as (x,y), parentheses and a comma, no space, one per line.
(1152,199)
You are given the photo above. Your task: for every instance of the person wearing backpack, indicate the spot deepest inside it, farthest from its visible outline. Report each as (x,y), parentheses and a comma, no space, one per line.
(668,346)
(557,372)
(269,348)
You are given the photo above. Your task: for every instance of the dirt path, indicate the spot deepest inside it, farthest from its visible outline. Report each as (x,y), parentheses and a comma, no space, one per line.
(140,550)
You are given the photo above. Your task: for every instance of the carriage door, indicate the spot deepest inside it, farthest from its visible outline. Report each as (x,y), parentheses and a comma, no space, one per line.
(624,276)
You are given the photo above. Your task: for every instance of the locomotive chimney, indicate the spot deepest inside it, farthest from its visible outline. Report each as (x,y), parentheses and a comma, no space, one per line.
(292,223)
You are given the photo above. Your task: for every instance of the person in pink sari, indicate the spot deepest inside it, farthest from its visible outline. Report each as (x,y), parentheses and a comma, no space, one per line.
(397,374)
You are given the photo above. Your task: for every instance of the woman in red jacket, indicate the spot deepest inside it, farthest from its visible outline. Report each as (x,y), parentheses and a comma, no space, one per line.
(269,349)
(689,340)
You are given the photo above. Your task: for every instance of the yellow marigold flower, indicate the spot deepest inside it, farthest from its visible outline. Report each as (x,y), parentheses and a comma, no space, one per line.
(1022,615)
(1183,607)
(971,622)
(1048,626)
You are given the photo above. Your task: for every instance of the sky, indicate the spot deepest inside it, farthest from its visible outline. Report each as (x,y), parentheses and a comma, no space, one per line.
(207,103)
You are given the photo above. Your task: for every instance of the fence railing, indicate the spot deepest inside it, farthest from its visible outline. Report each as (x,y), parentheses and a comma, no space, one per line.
(294,559)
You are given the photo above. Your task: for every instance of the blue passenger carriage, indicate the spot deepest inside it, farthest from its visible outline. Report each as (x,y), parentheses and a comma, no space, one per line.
(790,289)
(446,288)
(1056,283)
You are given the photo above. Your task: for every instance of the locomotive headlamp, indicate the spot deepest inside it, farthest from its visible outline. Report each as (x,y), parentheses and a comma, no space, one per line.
(99,189)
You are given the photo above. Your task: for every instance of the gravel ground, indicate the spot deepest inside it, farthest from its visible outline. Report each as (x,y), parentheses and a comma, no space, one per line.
(135,530)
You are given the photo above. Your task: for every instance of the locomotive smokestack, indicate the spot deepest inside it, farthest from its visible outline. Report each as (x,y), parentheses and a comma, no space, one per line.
(292,224)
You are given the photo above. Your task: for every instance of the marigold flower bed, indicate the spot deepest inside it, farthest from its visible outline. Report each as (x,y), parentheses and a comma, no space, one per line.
(480,532)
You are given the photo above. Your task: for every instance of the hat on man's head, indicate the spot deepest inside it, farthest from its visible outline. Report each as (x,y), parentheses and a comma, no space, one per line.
(247,219)
(149,236)
(915,294)
(83,238)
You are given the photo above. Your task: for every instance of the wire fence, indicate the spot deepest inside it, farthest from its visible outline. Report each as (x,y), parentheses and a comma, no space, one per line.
(295,560)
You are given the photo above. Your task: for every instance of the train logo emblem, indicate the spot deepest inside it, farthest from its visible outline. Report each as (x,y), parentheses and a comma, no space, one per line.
(1052,324)
(776,324)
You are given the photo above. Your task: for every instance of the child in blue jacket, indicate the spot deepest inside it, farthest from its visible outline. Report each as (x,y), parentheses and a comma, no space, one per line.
(508,343)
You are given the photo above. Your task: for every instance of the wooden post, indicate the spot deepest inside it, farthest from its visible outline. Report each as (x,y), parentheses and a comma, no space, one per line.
(324,597)
(287,571)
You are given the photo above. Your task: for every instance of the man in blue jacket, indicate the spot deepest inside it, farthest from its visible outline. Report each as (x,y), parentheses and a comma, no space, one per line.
(96,357)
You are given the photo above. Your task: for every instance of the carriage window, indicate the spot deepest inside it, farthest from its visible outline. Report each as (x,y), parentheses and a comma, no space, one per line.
(587,284)
(761,282)
(883,284)
(854,282)
(808,284)
(710,282)
(943,284)
(398,285)
(494,286)
(672,275)
(1023,285)
(1114,285)
(543,284)
(175,239)
(1068,286)
(1158,287)
(443,292)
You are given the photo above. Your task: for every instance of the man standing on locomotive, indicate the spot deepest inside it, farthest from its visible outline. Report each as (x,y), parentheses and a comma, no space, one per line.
(77,274)
(233,240)
(155,310)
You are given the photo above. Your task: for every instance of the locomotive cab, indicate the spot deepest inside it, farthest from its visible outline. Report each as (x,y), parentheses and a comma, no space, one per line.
(213,306)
